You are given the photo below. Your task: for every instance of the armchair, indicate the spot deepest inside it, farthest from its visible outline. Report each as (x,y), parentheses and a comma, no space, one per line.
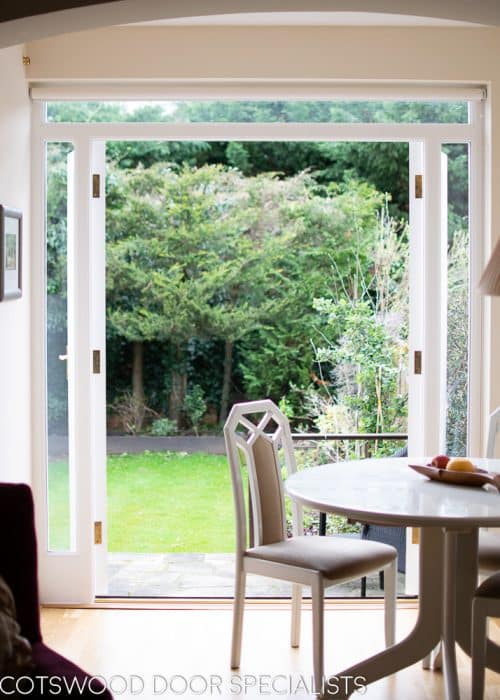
(18,566)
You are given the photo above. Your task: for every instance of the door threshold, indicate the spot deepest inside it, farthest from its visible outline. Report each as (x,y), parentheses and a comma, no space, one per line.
(227,604)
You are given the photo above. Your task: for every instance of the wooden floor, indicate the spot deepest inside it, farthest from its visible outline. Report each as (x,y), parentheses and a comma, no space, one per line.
(189,643)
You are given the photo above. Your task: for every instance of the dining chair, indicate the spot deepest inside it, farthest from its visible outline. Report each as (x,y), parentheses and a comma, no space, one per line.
(485,603)
(254,433)
(489,543)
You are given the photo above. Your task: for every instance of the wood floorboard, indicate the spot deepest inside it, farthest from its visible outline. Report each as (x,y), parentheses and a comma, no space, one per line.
(188,642)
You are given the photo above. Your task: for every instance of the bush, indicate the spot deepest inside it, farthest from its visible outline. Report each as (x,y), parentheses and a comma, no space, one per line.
(131,412)
(163,427)
(195,406)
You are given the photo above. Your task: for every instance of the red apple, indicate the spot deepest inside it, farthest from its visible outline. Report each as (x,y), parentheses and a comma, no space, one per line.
(440,461)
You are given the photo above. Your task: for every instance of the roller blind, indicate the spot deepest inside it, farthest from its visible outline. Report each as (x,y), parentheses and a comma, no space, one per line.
(253,89)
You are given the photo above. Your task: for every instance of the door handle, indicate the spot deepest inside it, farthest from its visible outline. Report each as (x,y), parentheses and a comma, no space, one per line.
(64,358)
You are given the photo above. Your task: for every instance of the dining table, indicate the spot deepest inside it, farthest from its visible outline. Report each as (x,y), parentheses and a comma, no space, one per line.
(387,491)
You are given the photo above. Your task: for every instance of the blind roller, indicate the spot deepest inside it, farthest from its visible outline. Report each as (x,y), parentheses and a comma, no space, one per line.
(255,90)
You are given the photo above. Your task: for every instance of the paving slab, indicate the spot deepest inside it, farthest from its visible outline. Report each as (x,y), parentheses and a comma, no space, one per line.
(201,575)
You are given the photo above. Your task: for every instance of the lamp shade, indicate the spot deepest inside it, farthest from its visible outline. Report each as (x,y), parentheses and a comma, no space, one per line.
(490,279)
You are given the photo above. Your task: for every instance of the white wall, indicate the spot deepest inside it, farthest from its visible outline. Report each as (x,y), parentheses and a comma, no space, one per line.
(15,457)
(486,12)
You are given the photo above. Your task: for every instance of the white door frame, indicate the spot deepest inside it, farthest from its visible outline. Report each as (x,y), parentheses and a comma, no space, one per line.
(425,413)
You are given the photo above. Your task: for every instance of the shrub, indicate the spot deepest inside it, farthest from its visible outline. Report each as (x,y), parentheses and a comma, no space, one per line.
(131,412)
(163,427)
(195,406)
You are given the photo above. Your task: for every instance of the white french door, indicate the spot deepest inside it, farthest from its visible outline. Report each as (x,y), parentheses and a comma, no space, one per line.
(70,439)
(76,573)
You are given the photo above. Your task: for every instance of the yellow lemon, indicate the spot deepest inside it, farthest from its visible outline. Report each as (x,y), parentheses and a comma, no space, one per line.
(460,464)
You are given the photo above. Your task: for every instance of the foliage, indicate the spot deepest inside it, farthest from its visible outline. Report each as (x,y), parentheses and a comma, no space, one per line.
(57,414)
(457,345)
(163,427)
(307,455)
(333,232)
(232,239)
(131,412)
(195,406)
(193,253)
(363,356)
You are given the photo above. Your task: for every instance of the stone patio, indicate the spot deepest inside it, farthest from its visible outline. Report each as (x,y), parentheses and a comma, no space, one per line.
(203,576)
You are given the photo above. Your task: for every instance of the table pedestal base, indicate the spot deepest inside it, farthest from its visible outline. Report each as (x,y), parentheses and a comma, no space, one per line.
(444,616)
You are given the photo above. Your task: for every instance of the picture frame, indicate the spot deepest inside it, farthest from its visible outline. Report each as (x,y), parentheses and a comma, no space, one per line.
(10,253)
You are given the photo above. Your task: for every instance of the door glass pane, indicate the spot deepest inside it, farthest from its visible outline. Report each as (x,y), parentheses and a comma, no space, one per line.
(263,111)
(58,477)
(457,314)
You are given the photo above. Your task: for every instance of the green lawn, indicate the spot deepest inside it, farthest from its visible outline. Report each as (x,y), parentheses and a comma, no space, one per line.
(157,502)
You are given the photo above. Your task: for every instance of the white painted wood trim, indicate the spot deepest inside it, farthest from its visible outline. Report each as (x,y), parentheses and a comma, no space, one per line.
(478,236)
(132,131)
(432,363)
(97,290)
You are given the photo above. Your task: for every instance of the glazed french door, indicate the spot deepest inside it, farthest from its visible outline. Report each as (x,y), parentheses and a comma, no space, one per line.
(73,556)
(71,444)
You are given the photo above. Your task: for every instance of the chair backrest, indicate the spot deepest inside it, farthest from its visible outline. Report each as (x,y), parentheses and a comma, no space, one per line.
(18,556)
(493,430)
(255,431)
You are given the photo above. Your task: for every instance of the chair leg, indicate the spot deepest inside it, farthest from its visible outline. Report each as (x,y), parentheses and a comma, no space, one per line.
(381,581)
(322,524)
(478,649)
(390,599)
(296,610)
(434,659)
(238,607)
(317,595)
(363,587)
(427,661)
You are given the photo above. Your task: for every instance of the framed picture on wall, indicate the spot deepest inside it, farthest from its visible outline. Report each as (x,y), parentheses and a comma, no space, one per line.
(10,253)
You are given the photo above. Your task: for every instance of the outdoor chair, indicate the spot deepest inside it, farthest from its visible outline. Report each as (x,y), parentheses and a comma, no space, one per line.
(18,567)
(255,431)
(395,536)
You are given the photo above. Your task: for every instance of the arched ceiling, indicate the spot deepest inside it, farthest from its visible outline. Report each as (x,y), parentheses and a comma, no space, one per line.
(26,20)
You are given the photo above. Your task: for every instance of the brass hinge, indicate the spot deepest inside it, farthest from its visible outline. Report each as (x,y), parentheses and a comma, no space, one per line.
(419,187)
(98,532)
(96,361)
(417,362)
(96,185)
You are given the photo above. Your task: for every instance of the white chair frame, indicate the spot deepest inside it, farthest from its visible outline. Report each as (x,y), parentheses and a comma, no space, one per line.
(493,430)
(484,607)
(236,443)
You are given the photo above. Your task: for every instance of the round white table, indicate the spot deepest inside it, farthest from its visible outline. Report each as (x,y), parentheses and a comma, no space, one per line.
(388,492)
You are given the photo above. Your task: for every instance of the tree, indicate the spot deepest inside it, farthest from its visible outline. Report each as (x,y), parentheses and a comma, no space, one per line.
(364,351)
(333,239)
(158,226)
(195,253)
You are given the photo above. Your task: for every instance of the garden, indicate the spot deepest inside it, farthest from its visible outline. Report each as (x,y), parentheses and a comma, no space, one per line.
(237,271)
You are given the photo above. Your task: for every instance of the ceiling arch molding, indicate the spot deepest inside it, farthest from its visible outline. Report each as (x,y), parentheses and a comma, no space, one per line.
(27,20)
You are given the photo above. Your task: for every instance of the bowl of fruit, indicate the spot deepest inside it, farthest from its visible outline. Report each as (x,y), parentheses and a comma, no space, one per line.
(457,470)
